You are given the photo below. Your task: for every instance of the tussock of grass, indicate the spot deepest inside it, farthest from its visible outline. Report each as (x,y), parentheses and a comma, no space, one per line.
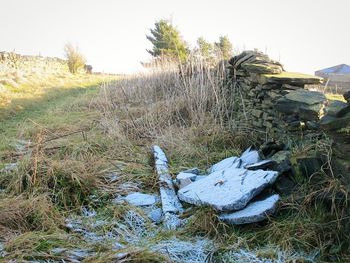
(37,245)
(22,213)
(131,254)
(204,221)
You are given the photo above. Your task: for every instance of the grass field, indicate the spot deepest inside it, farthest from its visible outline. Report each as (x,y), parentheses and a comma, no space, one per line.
(69,138)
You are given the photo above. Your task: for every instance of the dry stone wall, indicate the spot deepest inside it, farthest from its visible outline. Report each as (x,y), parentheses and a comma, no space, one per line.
(11,62)
(277,101)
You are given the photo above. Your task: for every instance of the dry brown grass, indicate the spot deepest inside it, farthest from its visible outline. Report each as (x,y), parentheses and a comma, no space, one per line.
(145,105)
(23,213)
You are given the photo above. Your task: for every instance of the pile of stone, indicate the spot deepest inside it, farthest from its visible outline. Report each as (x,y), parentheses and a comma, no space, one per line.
(337,114)
(231,188)
(272,98)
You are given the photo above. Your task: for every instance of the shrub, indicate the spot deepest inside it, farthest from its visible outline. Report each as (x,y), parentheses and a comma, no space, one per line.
(75,58)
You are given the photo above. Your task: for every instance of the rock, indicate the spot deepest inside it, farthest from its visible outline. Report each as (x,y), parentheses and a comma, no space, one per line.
(333,123)
(269,148)
(306,96)
(185,175)
(200,177)
(170,201)
(312,125)
(227,190)
(139,199)
(281,156)
(346,96)
(282,159)
(195,171)
(291,78)
(284,185)
(303,110)
(254,212)
(264,164)
(337,108)
(249,157)
(290,87)
(262,68)
(184,179)
(231,162)
(155,215)
(308,105)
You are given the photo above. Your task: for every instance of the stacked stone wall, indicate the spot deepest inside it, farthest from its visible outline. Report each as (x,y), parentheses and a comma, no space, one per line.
(277,101)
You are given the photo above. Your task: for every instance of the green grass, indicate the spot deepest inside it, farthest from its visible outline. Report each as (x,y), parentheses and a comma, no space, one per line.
(54,107)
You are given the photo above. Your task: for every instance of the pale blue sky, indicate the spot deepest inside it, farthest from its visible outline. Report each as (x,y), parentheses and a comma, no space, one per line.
(306,35)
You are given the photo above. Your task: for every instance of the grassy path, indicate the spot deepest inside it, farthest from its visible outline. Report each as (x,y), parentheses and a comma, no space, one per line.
(59,108)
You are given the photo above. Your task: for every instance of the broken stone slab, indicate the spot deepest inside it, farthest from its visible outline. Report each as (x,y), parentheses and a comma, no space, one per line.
(200,177)
(264,164)
(346,96)
(140,199)
(306,96)
(282,160)
(337,108)
(252,213)
(266,68)
(291,78)
(183,179)
(333,123)
(303,110)
(195,171)
(170,201)
(184,175)
(155,215)
(231,162)
(227,190)
(249,156)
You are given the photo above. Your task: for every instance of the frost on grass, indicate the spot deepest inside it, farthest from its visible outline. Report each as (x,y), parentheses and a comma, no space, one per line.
(178,250)
(265,256)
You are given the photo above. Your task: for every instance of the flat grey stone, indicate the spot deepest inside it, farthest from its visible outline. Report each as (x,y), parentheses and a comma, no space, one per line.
(227,190)
(200,177)
(254,212)
(249,157)
(156,215)
(303,110)
(259,165)
(183,179)
(337,108)
(306,96)
(333,123)
(231,162)
(184,175)
(170,201)
(281,156)
(195,171)
(139,199)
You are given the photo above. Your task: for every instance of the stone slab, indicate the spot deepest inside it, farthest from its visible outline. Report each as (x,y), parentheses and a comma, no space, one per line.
(227,190)
(140,199)
(170,201)
(254,212)
(231,162)
(337,108)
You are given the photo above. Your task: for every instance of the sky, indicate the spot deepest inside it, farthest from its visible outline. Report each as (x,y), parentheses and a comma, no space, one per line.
(304,35)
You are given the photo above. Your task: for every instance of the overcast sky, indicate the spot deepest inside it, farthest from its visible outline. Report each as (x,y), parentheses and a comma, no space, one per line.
(305,35)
